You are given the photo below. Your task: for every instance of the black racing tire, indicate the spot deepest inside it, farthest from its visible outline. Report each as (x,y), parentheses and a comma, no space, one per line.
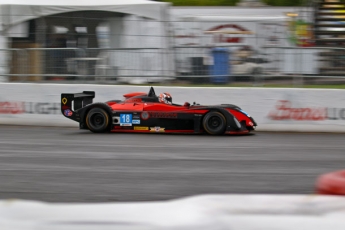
(97,120)
(214,123)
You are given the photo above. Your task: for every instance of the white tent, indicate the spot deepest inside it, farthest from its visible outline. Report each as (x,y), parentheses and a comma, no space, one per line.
(16,11)
(14,15)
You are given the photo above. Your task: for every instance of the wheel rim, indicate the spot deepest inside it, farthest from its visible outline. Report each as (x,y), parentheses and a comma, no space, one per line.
(214,122)
(97,120)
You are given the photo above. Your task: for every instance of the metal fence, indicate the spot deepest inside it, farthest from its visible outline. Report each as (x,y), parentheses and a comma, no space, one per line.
(195,64)
(37,64)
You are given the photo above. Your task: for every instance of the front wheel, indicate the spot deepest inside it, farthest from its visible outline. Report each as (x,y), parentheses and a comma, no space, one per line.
(97,120)
(214,123)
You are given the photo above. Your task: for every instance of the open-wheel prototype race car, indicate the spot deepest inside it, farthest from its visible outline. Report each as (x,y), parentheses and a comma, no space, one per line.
(148,113)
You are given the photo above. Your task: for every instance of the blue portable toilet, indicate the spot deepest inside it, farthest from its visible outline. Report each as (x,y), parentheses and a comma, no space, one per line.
(220,70)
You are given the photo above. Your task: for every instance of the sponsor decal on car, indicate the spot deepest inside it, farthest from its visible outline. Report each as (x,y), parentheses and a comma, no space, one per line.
(145,115)
(136,122)
(64,100)
(136,116)
(64,107)
(163,115)
(67,112)
(157,129)
(126,119)
(245,113)
(141,128)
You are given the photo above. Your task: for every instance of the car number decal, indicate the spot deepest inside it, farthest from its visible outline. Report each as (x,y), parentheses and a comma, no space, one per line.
(125,119)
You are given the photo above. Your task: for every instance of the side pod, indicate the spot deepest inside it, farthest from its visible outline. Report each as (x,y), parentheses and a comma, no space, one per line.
(70,102)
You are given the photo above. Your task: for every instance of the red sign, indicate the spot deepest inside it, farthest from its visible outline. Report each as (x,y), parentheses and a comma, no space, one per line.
(12,107)
(19,107)
(285,111)
(221,38)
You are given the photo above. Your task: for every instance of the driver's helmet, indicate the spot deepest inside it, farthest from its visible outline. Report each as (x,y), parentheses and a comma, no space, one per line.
(165,98)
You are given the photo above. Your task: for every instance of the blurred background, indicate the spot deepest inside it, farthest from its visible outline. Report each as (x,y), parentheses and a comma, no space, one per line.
(228,42)
(232,43)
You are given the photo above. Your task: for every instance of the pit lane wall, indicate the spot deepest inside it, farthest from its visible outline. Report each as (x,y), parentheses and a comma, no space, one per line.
(235,212)
(274,109)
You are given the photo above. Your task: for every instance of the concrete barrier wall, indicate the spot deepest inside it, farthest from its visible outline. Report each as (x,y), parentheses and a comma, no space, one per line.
(235,212)
(319,110)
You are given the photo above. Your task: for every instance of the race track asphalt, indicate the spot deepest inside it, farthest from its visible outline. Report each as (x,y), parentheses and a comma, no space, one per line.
(71,165)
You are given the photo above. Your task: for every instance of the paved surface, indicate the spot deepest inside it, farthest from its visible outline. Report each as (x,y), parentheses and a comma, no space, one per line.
(67,164)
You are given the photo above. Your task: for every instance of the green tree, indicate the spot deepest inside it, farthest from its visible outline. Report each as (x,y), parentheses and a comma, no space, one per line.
(284,2)
(203,2)
(232,2)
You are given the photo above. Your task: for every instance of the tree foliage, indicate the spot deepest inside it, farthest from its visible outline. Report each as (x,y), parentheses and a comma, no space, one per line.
(284,2)
(232,2)
(203,2)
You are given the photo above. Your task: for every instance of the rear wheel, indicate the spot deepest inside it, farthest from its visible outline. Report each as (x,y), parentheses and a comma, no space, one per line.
(97,120)
(214,123)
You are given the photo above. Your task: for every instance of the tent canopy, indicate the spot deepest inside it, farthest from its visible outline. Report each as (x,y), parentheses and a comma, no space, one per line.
(16,11)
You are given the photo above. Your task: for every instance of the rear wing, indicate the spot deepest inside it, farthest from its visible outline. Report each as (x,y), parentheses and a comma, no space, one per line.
(71,102)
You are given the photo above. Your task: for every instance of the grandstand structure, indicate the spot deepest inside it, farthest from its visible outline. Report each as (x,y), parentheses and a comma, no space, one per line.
(329,31)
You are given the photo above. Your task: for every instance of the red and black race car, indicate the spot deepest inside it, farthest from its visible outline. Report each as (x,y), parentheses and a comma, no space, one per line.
(148,113)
